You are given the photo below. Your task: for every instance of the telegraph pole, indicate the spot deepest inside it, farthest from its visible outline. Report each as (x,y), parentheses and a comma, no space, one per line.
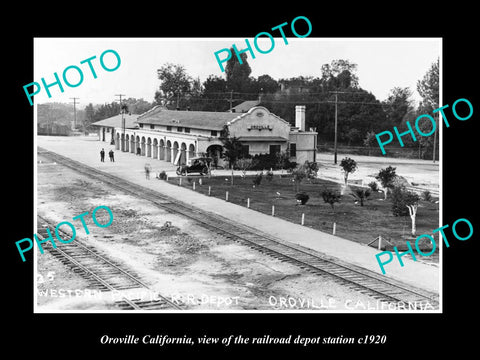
(335,141)
(336,121)
(123,121)
(435,138)
(74,112)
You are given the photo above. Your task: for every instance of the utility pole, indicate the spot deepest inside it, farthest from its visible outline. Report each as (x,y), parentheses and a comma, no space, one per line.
(336,121)
(123,121)
(435,138)
(231,100)
(74,112)
(335,141)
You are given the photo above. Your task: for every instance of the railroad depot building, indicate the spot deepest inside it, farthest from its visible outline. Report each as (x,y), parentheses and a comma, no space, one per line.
(176,135)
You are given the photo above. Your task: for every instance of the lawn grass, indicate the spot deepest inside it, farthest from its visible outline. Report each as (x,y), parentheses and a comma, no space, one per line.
(354,222)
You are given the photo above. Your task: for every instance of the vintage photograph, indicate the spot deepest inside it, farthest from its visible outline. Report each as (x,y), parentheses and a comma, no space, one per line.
(165,182)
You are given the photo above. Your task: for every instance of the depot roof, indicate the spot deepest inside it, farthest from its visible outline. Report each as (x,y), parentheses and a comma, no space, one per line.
(192,119)
(116,121)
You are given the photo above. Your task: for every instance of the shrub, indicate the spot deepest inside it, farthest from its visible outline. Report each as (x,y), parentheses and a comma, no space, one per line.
(402,197)
(386,177)
(373,186)
(302,197)
(361,195)
(331,197)
(271,161)
(426,195)
(348,166)
(257,180)
(269,175)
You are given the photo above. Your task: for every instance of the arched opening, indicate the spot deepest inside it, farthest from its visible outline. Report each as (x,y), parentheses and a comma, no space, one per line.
(183,154)
(155,149)
(175,152)
(117,143)
(162,150)
(169,151)
(123,142)
(191,151)
(149,147)
(215,152)
(142,146)
(138,151)
(127,143)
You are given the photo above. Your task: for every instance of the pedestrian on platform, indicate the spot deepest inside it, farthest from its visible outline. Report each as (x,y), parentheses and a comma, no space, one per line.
(147,171)
(110,153)
(102,155)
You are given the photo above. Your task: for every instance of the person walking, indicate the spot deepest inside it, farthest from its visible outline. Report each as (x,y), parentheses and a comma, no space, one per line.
(111,155)
(147,171)
(102,155)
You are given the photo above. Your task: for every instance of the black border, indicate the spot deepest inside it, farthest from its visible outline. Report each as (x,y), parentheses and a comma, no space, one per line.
(408,333)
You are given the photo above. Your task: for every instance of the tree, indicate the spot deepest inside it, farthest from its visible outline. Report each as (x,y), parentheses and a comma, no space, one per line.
(386,177)
(369,140)
(308,170)
(237,74)
(428,88)
(266,84)
(213,94)
(175,82)
(340,74)
(331,197)
(405,202)
(398,104)
(361,195)
(348,166)
(233,149)
(298,175)
(244,164)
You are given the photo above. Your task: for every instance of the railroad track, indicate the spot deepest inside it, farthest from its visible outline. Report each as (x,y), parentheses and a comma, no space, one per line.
(354,277)
(104,274)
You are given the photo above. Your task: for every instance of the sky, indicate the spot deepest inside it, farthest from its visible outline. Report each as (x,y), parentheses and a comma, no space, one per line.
(383,63)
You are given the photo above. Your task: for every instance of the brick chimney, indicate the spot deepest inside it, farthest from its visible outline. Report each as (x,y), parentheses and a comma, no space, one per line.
(300,117)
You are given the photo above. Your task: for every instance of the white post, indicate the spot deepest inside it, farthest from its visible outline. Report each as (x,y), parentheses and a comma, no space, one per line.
(226,196)
(380,242)
(248,203)
(334,228)
(200,181)
(194,185)
(303,219)
(273,210)
(180,182)
(209,190)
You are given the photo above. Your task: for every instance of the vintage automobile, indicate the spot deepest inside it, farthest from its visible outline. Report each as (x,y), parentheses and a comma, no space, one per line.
(197,165)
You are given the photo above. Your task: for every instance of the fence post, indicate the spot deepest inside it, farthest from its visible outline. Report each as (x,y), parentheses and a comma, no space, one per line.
(194,185)
(200,181)
(248,203)
(303,219)
(180,182)
(209,190)
(273,210)
(334,227)
(226,196)
(380,242)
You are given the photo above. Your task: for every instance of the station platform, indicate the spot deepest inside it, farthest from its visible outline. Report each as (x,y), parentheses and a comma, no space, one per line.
(86,149)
